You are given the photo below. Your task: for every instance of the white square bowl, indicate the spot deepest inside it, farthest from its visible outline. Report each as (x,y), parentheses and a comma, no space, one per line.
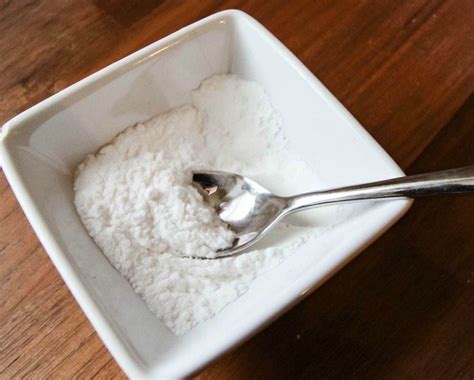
(41,147)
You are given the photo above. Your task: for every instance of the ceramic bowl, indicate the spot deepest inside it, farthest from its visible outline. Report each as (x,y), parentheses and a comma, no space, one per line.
(41,147)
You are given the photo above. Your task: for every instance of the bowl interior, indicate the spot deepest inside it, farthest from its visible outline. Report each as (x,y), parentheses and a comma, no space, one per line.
(47,144)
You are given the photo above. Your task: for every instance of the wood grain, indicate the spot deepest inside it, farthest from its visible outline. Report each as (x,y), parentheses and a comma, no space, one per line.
(405,69)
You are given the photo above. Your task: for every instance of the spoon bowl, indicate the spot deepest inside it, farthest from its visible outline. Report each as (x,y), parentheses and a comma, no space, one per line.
(244,205)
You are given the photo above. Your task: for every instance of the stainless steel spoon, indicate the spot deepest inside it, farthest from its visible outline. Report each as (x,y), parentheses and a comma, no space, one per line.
(251,211)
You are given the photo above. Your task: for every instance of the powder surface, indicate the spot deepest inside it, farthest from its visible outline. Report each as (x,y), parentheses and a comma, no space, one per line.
(149,202)
(136,200)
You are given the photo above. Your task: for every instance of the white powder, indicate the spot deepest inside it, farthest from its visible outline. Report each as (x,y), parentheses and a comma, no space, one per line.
(136,200)
(148,201)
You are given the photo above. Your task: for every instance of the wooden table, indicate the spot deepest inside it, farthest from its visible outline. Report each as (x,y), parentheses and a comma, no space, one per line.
(403,309)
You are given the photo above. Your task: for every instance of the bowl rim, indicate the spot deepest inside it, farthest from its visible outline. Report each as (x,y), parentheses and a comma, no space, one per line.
(122,352)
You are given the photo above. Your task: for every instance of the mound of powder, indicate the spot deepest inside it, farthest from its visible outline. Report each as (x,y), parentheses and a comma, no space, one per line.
(136,200)
(149,202)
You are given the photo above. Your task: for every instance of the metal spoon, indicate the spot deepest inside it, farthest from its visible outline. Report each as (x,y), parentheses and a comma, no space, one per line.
(251,211)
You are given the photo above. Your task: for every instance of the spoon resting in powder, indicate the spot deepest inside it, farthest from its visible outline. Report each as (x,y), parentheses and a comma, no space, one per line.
(250,210)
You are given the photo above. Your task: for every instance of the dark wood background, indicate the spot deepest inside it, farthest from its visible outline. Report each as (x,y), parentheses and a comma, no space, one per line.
(403,309)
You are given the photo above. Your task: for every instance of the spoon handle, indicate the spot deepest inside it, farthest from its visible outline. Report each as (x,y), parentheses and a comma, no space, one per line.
(454,181)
